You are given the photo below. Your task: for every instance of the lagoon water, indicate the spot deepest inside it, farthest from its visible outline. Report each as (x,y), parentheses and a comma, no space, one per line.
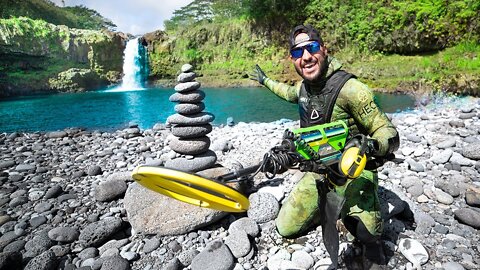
(111,110)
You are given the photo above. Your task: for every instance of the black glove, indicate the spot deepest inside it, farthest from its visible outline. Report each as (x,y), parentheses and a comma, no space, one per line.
(368,145)
(258,75)
(372,147)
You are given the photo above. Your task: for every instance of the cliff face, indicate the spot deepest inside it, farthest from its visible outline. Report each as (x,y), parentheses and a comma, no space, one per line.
(36,56)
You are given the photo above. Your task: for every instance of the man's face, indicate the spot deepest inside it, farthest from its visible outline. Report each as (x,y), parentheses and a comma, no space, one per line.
(311,66)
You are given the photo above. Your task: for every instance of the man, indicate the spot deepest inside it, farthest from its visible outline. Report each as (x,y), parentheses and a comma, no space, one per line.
(328,94)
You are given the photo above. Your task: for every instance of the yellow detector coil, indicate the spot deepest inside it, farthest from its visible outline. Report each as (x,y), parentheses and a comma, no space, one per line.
(191,188)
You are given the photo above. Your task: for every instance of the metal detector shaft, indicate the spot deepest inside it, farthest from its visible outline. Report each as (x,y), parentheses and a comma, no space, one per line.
(238,173)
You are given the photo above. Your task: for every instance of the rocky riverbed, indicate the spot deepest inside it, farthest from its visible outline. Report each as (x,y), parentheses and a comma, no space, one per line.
(63,202)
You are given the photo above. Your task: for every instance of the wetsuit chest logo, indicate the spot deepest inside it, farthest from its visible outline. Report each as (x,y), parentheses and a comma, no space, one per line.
(314,115)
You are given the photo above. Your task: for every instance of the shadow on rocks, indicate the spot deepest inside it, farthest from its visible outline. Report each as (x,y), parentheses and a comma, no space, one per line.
(397,217)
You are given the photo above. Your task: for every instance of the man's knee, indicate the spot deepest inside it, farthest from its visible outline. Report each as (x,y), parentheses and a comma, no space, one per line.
(285,229)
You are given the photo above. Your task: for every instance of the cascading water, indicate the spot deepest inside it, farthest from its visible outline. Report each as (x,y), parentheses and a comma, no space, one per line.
(135,66)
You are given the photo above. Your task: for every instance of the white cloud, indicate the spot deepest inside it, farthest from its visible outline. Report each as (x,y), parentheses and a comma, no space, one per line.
(135,17)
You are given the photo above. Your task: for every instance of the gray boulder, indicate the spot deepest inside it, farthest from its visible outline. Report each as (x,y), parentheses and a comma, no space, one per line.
(153,213)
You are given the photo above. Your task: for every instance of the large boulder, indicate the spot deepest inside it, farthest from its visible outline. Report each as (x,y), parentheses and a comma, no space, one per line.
(153,213)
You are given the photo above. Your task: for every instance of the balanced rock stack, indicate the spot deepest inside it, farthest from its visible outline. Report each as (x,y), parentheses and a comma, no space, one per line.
(190,125)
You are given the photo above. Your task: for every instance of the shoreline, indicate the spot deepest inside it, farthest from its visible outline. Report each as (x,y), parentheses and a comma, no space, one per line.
(65,195)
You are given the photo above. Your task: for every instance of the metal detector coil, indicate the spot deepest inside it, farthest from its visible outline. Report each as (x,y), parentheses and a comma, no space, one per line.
(191,188)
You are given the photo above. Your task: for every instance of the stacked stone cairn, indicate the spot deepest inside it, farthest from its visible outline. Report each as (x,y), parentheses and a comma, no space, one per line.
(190,126)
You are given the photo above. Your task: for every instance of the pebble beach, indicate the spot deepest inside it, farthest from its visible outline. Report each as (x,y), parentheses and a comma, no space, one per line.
(66,196)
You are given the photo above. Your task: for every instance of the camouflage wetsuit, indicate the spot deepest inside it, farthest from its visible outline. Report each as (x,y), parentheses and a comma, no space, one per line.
(355,105)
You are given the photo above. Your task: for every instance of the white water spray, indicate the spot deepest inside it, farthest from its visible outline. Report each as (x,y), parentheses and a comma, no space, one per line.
(135,66)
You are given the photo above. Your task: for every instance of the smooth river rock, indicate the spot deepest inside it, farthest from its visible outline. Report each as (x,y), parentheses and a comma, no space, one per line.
(191,146)
(186,77)
(191,131)
(189,108)
(190,97)
(194,119)
(187,86)
(195,164)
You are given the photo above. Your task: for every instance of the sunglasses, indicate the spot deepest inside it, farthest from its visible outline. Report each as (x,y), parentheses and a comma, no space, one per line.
(311,48)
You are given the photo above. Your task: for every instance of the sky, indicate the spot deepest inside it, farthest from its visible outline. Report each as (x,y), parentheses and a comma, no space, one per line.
(136,17)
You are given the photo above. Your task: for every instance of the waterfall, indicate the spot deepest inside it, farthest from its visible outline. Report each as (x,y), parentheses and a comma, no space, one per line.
(135,66)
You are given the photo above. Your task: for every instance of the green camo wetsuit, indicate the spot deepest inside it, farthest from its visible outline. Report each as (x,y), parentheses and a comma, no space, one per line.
(355,105)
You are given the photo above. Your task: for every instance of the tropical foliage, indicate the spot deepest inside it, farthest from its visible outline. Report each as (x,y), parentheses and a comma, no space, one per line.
(75,17)
(409,26)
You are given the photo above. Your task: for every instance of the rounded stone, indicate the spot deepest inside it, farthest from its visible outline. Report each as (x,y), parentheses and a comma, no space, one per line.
(215,256)
(63,234)
(189,108)
(194,119)
(472,198)
(186,77)
(110,190)
(469,217)
(187,68)
(198,163)
(187,86)
(190,146)
(263,207)
(245,224)
(472,151)
(190,97)
(191,131)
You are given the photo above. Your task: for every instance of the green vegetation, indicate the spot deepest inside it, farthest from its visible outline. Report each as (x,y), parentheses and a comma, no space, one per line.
(75,17)
(417,45)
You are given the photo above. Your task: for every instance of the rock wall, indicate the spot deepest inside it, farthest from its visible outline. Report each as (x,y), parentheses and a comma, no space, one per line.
(34,53)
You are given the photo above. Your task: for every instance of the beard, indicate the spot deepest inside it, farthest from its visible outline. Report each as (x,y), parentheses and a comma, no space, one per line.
(317,75)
